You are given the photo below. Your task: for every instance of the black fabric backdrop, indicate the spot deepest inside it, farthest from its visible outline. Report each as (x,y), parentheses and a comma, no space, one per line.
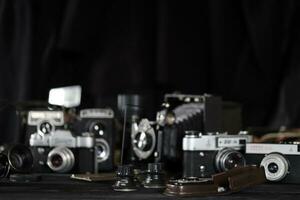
(246,51)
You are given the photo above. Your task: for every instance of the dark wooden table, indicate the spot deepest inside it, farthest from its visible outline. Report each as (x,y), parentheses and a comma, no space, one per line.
(63,188)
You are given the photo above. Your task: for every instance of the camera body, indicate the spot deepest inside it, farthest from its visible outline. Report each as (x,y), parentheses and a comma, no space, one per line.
(62,152)
(210,153)
(100,123)
(183,112)
(280,161)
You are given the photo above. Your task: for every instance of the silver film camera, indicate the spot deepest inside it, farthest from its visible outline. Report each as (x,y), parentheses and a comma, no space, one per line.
(280,161)
(58,150)
(210,153)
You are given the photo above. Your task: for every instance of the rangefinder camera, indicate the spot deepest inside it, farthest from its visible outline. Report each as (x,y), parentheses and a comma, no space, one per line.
(211,153)
(55,149)
(62,152)
(280,161)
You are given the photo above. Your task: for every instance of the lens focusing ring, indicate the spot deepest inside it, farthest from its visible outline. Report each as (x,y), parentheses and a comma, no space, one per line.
(223,156)
(101,143)
(282,166)
(67,156)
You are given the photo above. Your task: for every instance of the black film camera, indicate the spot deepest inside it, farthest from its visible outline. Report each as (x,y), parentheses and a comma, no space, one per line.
(183,112)
(99,122)
(62,152)
(208,154)
(281,161)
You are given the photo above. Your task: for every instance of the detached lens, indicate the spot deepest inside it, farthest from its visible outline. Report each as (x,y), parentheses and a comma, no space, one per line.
(4,166)
(20,158)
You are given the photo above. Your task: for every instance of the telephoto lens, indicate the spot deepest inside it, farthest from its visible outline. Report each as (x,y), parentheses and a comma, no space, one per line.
(126,180)
(155,176)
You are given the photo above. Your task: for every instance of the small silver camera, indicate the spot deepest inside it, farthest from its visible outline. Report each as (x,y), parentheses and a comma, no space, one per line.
(280,161)
(62,152)
(210,153)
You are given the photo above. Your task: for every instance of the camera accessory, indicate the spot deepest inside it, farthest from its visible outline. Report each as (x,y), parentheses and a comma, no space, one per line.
(207,154)
(233,180)
(20,158)
(126,181)
(280,161)
(155,176)
(15,159)
(67,97)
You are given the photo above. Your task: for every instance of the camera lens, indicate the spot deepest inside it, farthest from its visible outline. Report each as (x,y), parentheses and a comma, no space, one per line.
(228,158)
(45,128)
(143,141)
(102,150)
(16,160)
(273,168)
(4,166)
(56,160)
(276,166)
(20,158)
(97,128)
(61,159)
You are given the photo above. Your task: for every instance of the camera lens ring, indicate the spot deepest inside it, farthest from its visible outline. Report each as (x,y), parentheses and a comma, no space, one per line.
(105,148)
(225,156)
(67,159)
(282,168)
(145,128)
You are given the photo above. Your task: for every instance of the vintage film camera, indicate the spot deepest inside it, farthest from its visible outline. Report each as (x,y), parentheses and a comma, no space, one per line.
(210,153)
(64,142)
(184,112)
(161,140)
(100,123)
(280,161)
(59,150)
